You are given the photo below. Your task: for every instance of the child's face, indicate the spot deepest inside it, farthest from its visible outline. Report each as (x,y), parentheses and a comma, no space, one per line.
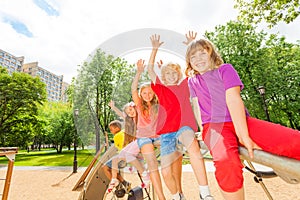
(147,94)
(200,61)
(130,111)
(171,76)
(114,129)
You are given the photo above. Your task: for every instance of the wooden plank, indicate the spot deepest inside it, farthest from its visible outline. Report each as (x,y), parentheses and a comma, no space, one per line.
(96,184)
(87,171)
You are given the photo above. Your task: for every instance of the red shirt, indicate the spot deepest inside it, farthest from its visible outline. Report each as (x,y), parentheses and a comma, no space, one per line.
(175,110)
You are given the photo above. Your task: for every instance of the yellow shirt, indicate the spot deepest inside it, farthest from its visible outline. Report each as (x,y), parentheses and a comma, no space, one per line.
(119,139)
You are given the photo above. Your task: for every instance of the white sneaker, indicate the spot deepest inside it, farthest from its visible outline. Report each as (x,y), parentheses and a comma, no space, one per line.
(208,197)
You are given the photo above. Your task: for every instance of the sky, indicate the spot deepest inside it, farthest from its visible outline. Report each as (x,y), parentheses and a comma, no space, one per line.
(61,34)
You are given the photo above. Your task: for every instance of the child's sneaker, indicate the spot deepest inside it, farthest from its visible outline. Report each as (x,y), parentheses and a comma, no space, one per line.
(127,186)
(113,183)
(182,196)
(208,197)
(145,179)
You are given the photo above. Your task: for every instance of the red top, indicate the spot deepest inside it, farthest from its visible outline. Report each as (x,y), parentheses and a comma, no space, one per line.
(175,110)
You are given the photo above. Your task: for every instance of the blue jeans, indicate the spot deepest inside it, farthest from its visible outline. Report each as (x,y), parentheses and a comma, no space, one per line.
(142,141)
(168,141)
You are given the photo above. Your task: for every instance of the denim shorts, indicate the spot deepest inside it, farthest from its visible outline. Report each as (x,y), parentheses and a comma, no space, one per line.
(121,164)
(109,163)
(169,141)
(142,141)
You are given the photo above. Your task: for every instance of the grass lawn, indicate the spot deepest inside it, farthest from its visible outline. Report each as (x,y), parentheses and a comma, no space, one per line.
(49,157)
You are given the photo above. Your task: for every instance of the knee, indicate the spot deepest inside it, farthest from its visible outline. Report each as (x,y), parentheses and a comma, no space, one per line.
(187,138)
(166,173)
(229,175)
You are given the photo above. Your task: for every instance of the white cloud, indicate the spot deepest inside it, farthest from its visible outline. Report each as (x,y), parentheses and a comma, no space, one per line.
(61,43)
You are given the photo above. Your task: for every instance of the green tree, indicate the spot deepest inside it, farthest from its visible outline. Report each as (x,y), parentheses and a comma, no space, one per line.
(60,128)
(272,11)
(262,60)
(100,80)
(20,95)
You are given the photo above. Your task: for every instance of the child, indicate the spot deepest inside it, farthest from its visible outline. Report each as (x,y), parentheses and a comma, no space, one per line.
(176,123)
(131,150)
(146,107)
(226,123)
(115,128)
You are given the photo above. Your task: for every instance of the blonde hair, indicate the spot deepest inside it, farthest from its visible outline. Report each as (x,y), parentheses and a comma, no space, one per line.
(200,45)
(130,125)
(144,106)
(174,66)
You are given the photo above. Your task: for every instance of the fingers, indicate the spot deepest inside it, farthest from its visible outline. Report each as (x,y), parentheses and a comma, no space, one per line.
(160,63)
(155,40)
(250,152)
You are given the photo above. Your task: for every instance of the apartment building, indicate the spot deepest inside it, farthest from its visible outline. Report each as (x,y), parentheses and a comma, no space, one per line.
(55,85)
(11,62)
(56,88)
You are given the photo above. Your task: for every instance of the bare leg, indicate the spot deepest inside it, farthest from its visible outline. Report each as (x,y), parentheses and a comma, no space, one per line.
(170,166)
(148,153)
(107,171)
(238,195)
(138,165)
(196,158)
(177,173)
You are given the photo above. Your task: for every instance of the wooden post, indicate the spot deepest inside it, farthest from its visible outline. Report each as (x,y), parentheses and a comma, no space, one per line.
(10,153)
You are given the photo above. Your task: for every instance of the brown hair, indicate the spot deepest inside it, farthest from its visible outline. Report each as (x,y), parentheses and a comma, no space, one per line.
(200,45)
(130,127)
(176,67)
(116,124)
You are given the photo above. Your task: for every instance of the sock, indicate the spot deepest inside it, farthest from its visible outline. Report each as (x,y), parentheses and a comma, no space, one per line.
(204,190)
(176,196)
(144,173)
(114,180)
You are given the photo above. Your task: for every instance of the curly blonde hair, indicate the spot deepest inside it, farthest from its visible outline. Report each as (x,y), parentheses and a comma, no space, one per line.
(200,45)
(174,66)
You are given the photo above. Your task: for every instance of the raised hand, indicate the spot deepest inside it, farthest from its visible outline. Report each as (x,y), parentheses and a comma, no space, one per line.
(140,65)
(190,36)
(155,41)
(159,63)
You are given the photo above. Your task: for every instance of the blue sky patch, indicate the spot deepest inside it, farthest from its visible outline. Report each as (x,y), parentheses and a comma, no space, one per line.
(18,26)
(46,7)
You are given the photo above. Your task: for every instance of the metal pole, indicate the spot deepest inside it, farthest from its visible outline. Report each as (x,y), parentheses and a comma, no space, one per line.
(265,107)
(261,90)
(76,112)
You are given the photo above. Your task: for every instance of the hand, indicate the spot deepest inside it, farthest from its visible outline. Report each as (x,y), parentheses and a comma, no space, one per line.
(140,65)
(111,103)
(190,37)
(159,63)
(249,144)
(155,41)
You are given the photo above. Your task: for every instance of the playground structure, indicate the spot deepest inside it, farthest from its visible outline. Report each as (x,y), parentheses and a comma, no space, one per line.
(95,186)
(9,153)
(93,183)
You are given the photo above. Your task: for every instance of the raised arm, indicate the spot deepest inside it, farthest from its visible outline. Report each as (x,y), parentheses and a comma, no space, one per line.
(155,45)
(117,110)
(190,36)
(134,86)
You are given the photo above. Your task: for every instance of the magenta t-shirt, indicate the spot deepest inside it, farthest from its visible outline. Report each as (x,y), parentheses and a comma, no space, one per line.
(175,110)
(210,89)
